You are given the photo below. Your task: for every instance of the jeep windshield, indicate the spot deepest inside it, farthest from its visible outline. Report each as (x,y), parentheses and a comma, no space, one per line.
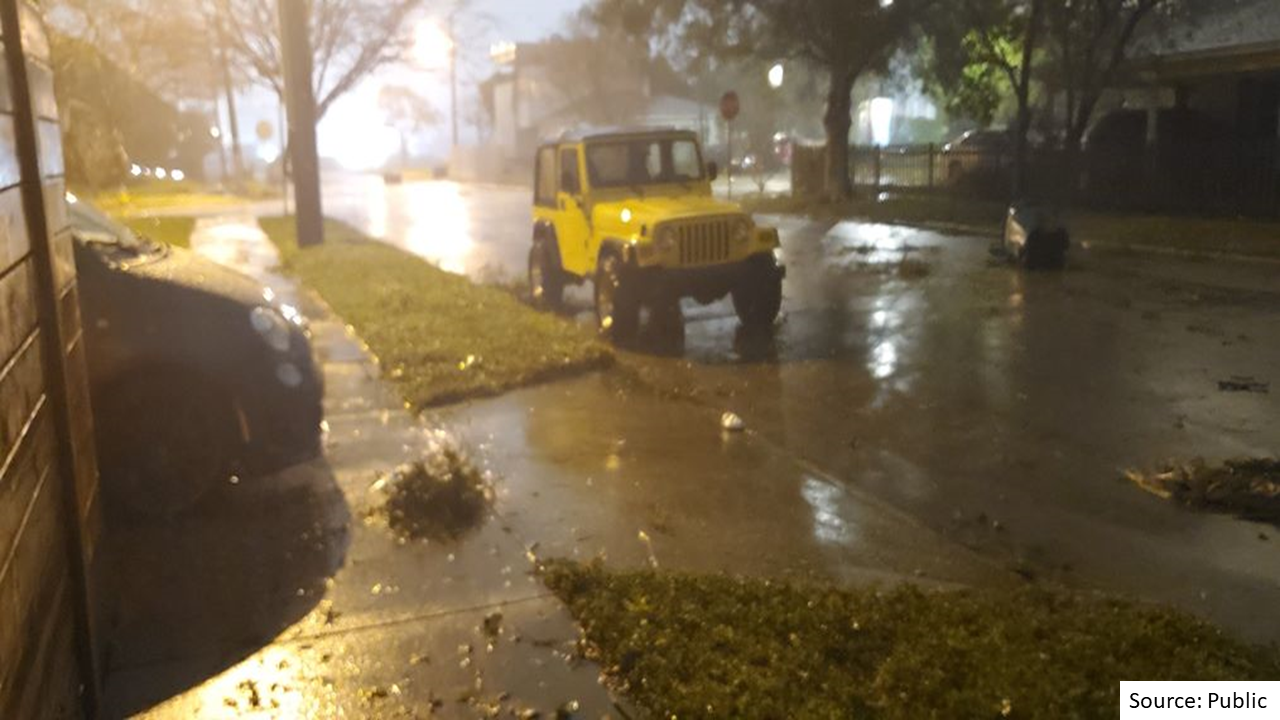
(645,161)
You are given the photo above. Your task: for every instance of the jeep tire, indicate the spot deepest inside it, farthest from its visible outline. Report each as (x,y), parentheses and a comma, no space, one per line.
(546,277)
(616,298)
(757,296)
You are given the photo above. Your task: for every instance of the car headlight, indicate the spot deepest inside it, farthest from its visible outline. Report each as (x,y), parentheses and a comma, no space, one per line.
(666,239)
(272,328)
(742,231)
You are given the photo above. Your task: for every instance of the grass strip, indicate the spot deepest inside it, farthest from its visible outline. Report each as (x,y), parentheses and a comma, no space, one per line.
(710,646)
(438,336)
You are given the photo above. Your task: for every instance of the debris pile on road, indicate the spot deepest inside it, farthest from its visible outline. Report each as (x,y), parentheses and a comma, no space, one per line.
(1244,385)
(1247,488)
(437,498)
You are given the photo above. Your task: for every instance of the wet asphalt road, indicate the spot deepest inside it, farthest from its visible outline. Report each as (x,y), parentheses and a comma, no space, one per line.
(997,408)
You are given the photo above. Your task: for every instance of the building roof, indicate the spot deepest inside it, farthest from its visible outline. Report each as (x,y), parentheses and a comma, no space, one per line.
(1235,36)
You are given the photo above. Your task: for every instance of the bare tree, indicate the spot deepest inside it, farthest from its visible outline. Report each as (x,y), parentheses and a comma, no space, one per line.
(161,43)
(1089,41)
(350,38)
(407,112)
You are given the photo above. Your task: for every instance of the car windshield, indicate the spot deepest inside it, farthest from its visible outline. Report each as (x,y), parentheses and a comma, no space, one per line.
(648,161)
(94,228)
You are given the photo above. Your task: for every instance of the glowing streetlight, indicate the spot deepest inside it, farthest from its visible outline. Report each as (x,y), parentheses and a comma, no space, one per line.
(432,46)
(777,76)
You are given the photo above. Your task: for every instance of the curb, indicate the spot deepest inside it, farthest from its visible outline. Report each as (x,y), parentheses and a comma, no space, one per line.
(986,232)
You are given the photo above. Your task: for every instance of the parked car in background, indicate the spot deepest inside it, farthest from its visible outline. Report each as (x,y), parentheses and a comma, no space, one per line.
(978,157)
(196,373)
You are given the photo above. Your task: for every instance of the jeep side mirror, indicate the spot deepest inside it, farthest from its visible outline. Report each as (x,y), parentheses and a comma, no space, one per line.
(713,171)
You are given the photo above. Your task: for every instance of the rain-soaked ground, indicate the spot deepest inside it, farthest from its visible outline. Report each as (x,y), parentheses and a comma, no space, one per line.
(998,408)
(944,421)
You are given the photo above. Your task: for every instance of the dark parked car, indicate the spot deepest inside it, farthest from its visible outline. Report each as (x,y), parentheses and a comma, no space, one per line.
(196,373)
(978,158)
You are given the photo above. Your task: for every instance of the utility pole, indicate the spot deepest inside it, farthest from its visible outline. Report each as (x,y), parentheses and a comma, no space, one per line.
(301,105)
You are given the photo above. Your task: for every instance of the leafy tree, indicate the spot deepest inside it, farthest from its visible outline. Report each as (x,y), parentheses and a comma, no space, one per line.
(841,38)
(110,119)
(982,52)
(597,74)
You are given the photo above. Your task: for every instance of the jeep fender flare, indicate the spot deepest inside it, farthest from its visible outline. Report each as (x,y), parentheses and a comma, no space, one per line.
(546,232)
(620,247)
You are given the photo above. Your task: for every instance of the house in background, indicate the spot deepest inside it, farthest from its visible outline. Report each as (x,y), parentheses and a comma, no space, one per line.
(1193,122)
(1225,65)
(527,103)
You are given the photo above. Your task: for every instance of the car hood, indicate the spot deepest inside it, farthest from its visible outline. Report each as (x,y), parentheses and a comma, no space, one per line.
(185,269)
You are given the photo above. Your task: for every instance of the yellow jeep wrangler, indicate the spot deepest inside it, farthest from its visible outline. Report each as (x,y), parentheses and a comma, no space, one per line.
(632,211)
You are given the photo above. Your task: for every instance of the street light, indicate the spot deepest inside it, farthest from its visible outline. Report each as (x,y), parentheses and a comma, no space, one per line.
(777,75)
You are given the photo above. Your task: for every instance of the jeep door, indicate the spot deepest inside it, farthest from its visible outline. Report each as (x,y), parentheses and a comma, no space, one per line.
(573,230)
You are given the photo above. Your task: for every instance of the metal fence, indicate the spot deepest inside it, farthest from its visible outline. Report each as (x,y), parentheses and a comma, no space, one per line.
(1226,177)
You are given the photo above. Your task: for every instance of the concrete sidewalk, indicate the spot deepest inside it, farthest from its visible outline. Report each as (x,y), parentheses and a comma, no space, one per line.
(285,599)
(286,603)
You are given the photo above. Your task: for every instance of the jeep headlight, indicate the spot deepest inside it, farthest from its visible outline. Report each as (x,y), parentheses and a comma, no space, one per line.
(272,328)
(742,231)
(666,239)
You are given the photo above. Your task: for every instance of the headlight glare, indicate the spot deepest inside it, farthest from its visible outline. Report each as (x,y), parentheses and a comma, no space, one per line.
(272,328)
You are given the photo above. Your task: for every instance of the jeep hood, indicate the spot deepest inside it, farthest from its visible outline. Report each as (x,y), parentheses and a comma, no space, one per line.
(654,210)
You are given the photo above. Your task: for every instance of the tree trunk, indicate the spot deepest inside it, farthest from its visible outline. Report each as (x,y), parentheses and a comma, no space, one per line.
(838,121)
(1020,149)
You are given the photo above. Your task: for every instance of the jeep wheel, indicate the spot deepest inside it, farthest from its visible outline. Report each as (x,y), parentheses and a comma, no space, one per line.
(617,303)
(757,298)
(546,278)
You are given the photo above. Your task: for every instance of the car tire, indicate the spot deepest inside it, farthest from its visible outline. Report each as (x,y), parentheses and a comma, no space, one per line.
(165,441)
(546,277)
(666,319)
(1047,252)
(757,298)
(616,299)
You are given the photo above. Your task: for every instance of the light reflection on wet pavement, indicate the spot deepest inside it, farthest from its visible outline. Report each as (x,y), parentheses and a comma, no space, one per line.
(996,407)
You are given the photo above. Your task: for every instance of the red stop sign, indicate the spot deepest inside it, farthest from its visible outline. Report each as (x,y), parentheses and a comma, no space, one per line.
(729,106)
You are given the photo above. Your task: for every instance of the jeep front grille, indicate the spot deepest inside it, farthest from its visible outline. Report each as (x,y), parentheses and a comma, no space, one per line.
(704,242)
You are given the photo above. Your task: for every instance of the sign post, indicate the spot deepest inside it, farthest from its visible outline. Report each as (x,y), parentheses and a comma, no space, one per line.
(730,107)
